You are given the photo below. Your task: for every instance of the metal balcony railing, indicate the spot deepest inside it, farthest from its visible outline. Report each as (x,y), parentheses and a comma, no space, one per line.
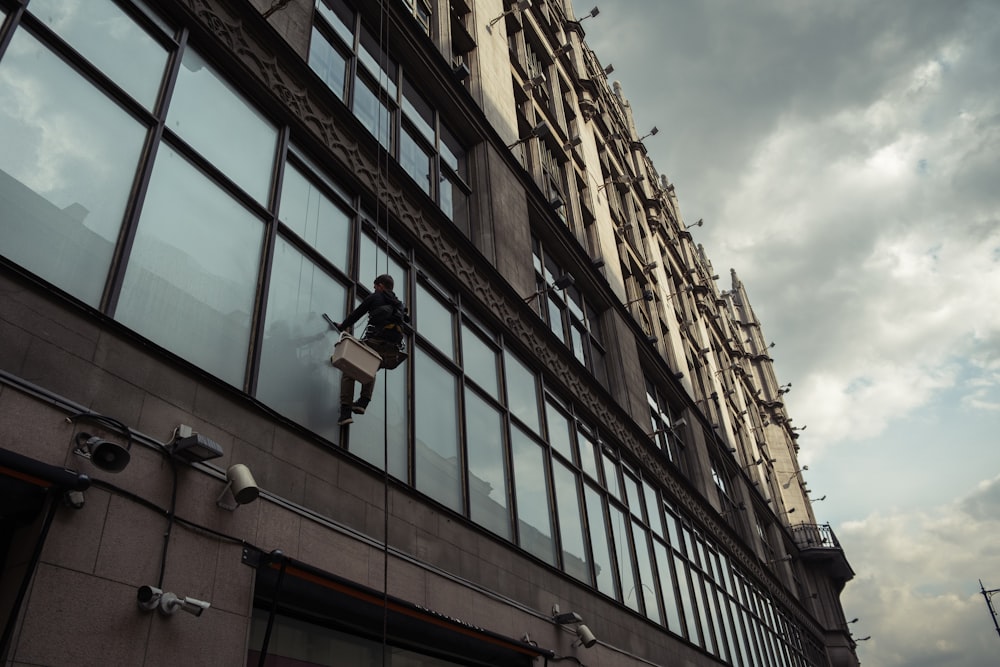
(817,543)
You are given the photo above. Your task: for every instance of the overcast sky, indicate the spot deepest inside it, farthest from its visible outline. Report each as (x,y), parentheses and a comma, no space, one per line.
(845,156)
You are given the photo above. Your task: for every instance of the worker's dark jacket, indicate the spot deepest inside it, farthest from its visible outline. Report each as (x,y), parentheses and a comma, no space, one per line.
(382,324)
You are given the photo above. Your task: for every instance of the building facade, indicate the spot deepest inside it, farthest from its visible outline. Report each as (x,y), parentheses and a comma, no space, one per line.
(585,456)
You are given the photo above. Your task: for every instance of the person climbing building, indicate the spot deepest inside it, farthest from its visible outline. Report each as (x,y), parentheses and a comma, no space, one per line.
(384,333)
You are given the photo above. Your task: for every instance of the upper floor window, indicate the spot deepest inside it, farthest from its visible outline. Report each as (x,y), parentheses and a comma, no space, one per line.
(421,12)
(569,314)
(391,106)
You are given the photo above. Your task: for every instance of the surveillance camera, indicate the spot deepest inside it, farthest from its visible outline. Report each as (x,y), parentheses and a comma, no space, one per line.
(148,597)
(244,487)
(170,604)
(587,637)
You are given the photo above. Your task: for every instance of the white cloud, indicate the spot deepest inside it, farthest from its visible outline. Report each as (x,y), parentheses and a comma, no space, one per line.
(917,589)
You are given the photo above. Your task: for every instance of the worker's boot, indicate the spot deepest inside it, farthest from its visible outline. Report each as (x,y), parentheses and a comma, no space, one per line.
(345,415)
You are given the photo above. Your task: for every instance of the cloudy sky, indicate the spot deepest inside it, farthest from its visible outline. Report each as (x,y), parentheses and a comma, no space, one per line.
(845,156)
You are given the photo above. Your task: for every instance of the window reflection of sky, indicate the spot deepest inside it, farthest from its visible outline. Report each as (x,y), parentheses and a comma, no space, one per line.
(112,41)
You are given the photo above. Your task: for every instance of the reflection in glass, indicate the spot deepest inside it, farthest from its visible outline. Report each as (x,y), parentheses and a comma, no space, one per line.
(340,17)
(327,61)
(190,281)
(67,164)
(211,116)
(436,459)
(603,565)
(522,391)
(559,436)
(295,377)
(652,508)
(111,40)
(620,533)
(389,409)
(315,218)
(534,514)
(667,589)
(683,584)
(375,261)
(590,454)
(574,552)
(646,579)
(415,160)
(434,320)
(611,476)
(372,113)
(479,361)
(487,472)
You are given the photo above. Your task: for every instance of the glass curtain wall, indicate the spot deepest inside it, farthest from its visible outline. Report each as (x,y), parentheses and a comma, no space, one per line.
(208,232)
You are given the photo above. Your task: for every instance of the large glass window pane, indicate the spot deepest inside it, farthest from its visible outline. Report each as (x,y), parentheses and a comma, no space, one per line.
(647,578)
(110,39)
(436,460)
(211,116)
(522,391)
(418,111)
(434,321)
(328,62)
(296,378)
(479,361)
(574,552)
(589,454)
(611,476)
(454,202)
(190,281)
(687,606)
(415,159)
(559,433)
(315,218)
(372,112)
(531,491)
(620,532)
(652,508)
(385,424)
(376,260)
(603,565)
(667,588)
(67,164)
(487,471)
(340,18)
(375,60)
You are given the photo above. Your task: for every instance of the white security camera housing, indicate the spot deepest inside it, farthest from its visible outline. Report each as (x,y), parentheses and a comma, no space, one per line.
(587,637)
(244,487)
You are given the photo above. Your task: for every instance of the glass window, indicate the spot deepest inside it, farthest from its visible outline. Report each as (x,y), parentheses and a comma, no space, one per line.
(329,63)
(647,579)
(589,454)
(604,569)
(296,378)
(652,508)
(668,588)
(487,471)
(683,587)
(534,514)
(190,281)
(435,321)
(211,116)
(454,201)
(436,459)
(315,218)
(418,111)
(111,40)
(372,113)
(522,391)
(339,17)
(479,361)
(559,434)
(574,552)
(385,424)
(611,475)
(376,260)
(375,60)
(415,159)
(620,531)
(67,165)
